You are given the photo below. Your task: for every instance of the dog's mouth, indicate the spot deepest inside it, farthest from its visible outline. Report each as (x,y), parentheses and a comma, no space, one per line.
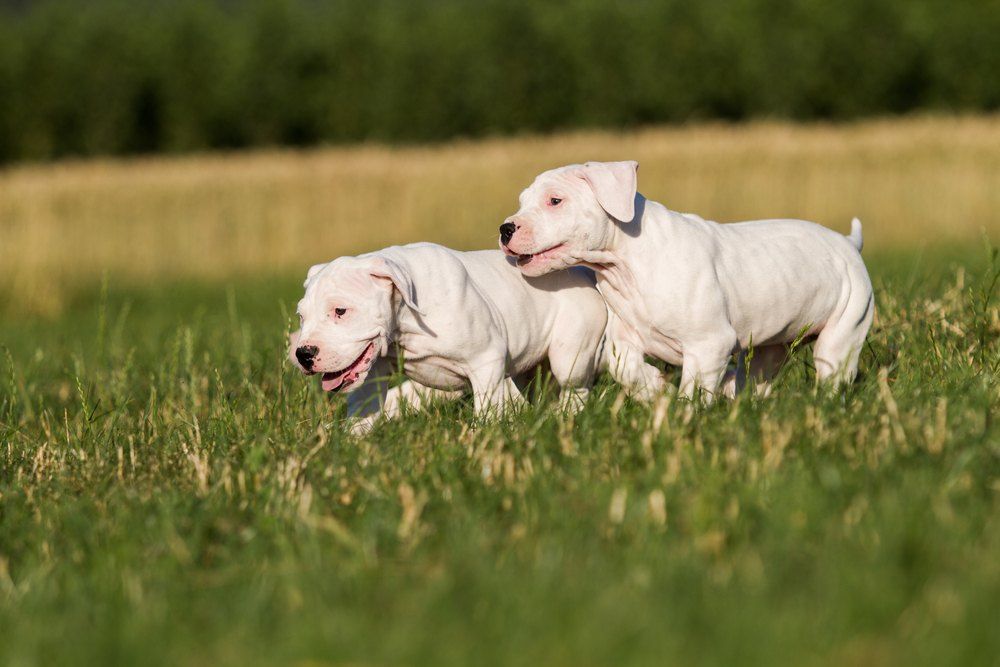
(347,376)
(526,260)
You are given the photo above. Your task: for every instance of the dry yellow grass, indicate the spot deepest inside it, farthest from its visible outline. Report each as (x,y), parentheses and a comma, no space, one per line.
(913,181)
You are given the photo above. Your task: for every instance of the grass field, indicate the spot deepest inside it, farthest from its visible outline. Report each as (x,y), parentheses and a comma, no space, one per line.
(172,492)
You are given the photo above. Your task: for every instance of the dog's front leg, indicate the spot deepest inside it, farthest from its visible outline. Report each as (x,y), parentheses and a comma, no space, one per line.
(572,399)
(627,365)
(406,395)
(414,396)
(704,365)
(493,391)
(365,404)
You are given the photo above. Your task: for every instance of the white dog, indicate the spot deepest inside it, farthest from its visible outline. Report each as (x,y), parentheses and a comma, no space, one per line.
(456,320)
(693,292)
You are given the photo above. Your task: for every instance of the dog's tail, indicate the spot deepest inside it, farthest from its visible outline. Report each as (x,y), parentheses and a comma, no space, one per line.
(855,236)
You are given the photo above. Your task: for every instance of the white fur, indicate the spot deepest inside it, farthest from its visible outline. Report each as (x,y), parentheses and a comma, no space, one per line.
(457,320)
(694,292)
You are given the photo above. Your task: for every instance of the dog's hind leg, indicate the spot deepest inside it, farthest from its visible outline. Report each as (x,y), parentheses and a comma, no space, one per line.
(839,344)
(574,367)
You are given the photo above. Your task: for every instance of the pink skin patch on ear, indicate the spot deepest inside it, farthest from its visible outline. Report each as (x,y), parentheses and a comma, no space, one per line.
(347,376)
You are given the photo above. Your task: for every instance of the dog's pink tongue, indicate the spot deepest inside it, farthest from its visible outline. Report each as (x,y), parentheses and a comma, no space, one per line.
(332,383)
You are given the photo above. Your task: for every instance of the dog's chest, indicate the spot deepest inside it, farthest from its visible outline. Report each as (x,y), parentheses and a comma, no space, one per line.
(647,323)
(433,371)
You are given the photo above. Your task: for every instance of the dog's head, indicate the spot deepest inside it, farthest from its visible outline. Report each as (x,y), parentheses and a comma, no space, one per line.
(567,211)
(347,318)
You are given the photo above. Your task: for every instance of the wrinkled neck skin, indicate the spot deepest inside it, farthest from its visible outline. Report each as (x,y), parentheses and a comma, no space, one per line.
(615,276)
(386,325)
(404,325)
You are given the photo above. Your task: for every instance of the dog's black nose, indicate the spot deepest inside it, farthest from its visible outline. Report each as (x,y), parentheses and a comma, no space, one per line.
(507,230)
(305,355)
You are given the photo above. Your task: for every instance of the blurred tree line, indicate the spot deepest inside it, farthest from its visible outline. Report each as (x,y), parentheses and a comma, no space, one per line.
(132,76)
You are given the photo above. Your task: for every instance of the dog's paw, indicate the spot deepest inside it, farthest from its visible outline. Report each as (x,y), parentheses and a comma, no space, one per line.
(362,426)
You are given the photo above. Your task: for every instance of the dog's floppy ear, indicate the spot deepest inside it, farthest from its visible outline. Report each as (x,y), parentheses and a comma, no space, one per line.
(386,269)
(313,270)
(614,185)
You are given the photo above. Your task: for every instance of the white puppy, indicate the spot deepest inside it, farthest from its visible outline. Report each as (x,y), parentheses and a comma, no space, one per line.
(455,320)
(693,292)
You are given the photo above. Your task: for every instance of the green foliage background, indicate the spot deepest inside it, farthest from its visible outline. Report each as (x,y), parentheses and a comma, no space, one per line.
(119,77)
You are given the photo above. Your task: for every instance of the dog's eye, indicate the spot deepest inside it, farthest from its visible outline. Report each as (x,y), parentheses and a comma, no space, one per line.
(554,201)
(339,312)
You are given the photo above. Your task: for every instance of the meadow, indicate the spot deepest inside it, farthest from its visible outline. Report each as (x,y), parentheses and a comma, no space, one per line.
(173,492)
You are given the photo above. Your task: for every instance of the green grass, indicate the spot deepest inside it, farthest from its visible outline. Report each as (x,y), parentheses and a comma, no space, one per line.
(168,496)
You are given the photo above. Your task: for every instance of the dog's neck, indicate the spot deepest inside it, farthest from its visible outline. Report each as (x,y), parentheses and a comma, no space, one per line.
(405,324)
(616,277)
(619,235)
(399,313)
(627,230)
